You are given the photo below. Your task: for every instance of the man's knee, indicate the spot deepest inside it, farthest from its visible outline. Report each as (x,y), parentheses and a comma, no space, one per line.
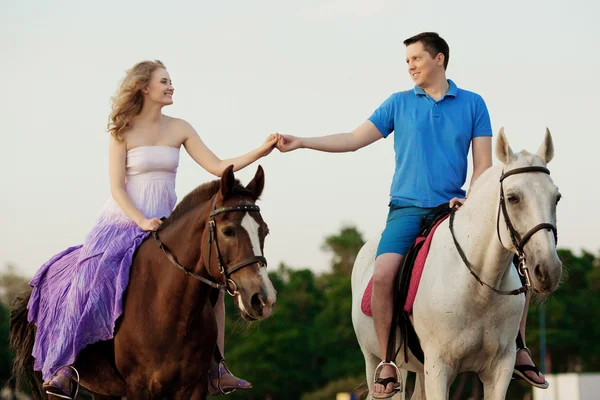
(386,269)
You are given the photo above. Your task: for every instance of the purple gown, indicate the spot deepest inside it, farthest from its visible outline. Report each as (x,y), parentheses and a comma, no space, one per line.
(77,295)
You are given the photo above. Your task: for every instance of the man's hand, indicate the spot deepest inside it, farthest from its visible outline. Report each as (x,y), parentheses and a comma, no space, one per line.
(457,202)
(288,143)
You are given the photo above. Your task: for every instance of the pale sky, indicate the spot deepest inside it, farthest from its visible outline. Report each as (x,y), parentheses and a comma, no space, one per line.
(245,69)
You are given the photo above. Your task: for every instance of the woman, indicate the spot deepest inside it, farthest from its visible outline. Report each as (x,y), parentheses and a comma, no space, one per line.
(77,295)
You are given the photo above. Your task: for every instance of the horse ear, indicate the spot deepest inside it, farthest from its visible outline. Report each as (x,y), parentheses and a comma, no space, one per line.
(227,182)
(257,183)
(546,151)
(503,150)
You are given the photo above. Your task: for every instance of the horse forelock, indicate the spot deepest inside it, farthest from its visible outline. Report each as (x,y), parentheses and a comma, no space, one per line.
(526,159)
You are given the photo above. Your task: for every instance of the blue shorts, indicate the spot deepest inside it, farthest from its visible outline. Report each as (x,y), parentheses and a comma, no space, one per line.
(401,229)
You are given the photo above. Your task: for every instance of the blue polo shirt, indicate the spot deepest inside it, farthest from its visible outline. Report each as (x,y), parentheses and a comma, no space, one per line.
(431,141)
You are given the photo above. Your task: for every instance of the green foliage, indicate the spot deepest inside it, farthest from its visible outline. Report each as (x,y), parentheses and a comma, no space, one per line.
(571,328)
(5,354)
(344,246)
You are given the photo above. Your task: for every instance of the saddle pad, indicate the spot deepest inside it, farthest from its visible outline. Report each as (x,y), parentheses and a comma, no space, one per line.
(414,279)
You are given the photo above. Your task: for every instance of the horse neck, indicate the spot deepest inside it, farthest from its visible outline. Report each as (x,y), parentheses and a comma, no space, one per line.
(475,229)
(183,239)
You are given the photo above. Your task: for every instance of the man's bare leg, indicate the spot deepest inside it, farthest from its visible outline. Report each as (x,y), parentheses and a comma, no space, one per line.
(386,268)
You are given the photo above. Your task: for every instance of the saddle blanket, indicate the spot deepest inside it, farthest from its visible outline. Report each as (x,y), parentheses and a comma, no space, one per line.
(415,278)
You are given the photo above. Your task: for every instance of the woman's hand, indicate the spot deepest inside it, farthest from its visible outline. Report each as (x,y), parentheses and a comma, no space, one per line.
(268,146)
(150,224)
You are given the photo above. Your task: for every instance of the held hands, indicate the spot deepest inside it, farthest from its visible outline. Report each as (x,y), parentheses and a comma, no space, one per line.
(150,224)
(284,143)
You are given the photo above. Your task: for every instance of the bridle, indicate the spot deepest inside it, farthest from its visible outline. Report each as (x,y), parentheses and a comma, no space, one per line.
(229,286)
(517,241)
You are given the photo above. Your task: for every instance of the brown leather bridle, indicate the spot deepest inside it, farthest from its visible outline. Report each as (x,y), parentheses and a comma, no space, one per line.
(229,286)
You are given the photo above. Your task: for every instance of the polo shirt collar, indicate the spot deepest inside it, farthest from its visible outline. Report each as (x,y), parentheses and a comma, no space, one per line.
(452,90)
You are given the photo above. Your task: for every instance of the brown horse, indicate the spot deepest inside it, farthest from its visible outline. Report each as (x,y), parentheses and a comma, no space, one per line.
(166,336)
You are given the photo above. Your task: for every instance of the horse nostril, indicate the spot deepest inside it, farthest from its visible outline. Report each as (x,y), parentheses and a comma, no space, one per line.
(256,302)
(538,273)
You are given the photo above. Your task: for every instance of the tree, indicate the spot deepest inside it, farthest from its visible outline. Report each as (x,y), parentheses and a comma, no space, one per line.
(11,285)
(345,246)
(571,329)
(278,354)
(6,355)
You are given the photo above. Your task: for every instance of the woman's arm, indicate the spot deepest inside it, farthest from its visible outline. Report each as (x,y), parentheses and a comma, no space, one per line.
(210,162)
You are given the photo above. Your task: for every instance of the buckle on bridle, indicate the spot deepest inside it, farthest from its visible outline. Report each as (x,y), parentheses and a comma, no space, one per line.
(231,292)
(524,270)
(211,230)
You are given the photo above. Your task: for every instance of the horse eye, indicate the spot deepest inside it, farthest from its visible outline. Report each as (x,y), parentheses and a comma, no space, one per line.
(228,232)
(512,199)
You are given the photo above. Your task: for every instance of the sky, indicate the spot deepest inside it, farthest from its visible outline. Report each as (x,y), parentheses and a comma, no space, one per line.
(245,69)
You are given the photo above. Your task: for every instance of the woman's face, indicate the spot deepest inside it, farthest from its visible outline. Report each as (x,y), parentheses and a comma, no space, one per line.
(159,89)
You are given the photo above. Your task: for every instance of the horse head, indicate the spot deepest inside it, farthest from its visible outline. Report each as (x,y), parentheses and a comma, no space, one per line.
(528,200)
(233,242)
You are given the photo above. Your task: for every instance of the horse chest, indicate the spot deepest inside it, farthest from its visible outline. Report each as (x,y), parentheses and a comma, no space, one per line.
(459,319)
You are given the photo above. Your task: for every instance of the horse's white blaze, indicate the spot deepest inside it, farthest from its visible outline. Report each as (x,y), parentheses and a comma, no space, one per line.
(251,227)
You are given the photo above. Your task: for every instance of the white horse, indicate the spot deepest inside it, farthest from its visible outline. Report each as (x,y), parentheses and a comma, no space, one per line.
(464,325)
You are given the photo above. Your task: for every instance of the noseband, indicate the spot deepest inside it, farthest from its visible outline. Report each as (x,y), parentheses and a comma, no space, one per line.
(230,287)
(518,241)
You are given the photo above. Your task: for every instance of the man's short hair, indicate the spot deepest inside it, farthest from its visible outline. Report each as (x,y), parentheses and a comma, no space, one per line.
(432,43)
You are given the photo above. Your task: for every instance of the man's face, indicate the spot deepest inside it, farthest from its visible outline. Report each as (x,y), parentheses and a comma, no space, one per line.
(423,68)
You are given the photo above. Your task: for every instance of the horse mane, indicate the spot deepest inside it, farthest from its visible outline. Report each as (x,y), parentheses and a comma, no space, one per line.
(201,195)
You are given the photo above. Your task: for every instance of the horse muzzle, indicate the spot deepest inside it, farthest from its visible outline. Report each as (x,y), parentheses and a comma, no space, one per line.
(545,276)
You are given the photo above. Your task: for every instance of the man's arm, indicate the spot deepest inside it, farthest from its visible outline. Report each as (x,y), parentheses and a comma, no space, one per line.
(362,136)
(481,147)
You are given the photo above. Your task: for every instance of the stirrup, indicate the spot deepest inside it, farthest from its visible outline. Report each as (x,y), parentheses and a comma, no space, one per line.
(74,384)
(221,390)
(399,388)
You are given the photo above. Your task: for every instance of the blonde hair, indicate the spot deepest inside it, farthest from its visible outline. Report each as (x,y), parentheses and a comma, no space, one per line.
(129,100)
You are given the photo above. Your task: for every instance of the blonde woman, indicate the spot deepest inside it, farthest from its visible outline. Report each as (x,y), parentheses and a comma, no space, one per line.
(77,295)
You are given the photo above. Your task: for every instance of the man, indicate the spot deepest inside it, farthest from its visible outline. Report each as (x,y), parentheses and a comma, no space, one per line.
(435,123)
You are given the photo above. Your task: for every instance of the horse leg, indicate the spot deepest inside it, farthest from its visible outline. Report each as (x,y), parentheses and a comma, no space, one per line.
(419,392)
(371,362)
(438,378)
(497,379)
(138,394)
(200,391)
(403,378)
